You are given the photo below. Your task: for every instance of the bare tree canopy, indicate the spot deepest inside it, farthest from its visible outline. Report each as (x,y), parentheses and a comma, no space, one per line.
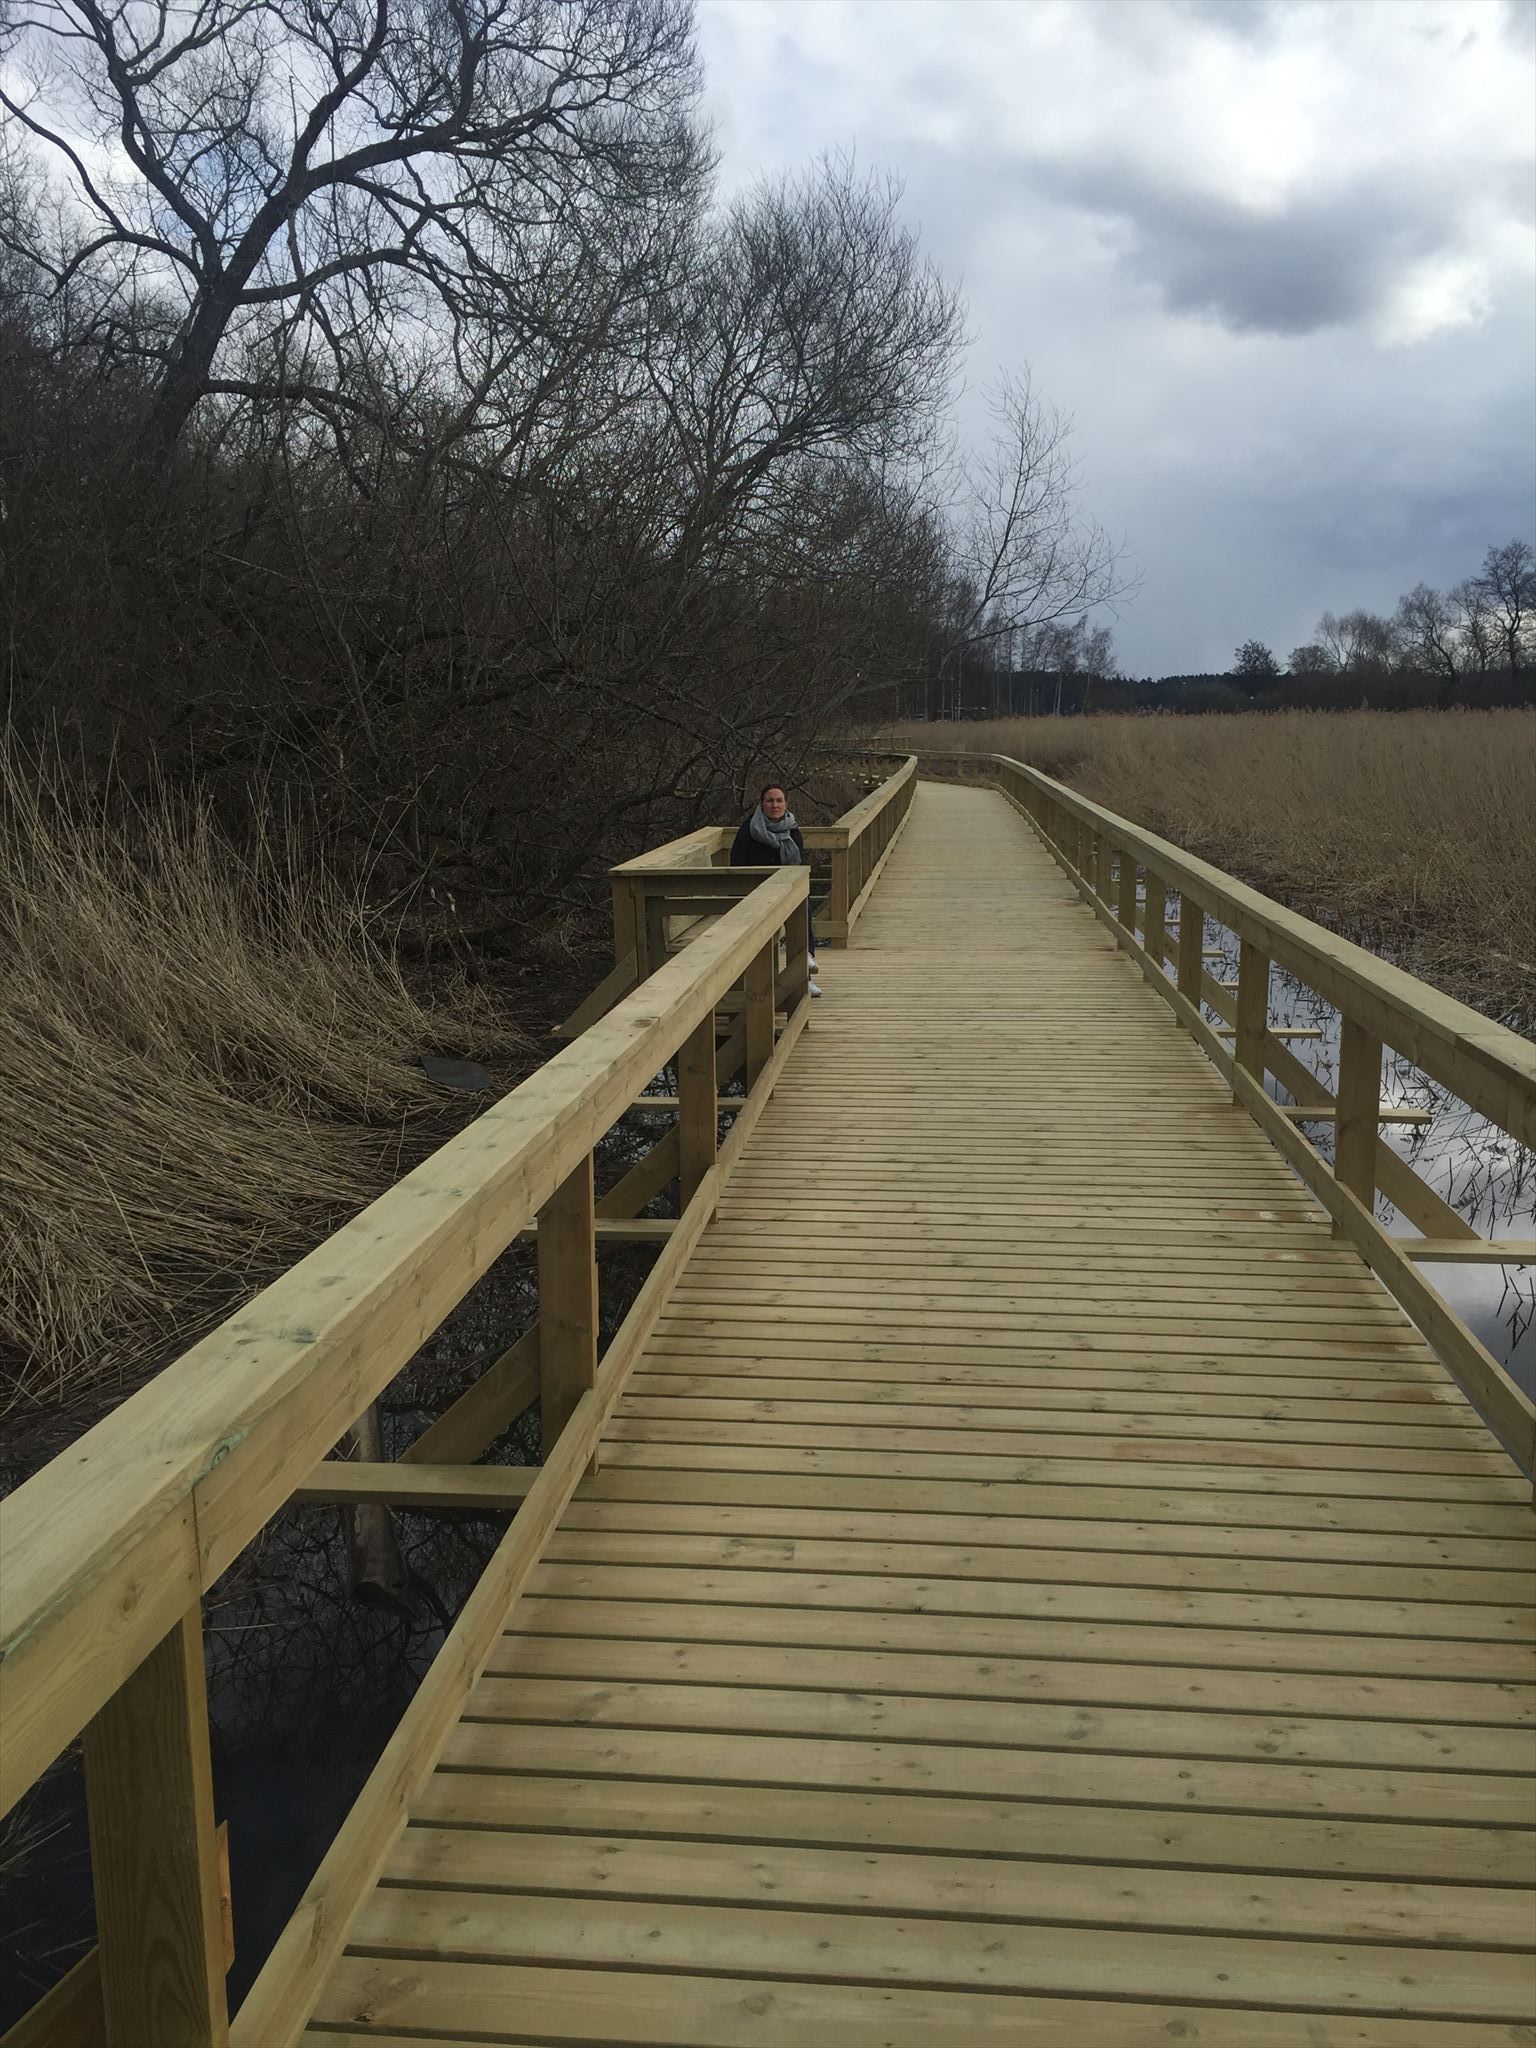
(1024,554)
(446,447)
(283,193)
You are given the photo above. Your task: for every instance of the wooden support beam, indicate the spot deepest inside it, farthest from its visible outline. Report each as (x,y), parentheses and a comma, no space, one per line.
(1480,1251)
(1324,1113)
(1104,854)
(1280,1031)
(613,988)
(155,1853)
(698,1120)
(467,1429)
(492,1489)
(724,1104)
(731,1055)
(567,1301)
(1359,1097)
(644,1181)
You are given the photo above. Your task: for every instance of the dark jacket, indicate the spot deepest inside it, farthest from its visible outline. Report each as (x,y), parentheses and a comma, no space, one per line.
(747,852)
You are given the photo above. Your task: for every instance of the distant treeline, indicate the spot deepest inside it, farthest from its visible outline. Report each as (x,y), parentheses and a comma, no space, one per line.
(1043,695)
(1471,647)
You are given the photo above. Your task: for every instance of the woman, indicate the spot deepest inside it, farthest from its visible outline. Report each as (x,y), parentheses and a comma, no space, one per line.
(770,835)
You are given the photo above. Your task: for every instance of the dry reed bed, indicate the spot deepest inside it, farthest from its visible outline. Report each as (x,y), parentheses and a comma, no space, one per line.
(207,1061)
(1414,832)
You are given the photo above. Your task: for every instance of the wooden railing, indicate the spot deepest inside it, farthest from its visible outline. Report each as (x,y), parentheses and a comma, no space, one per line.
(105,1555)
(658,897)
(859,845)
(1127,875)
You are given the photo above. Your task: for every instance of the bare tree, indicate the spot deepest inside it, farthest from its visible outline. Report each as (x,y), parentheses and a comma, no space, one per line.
(1024,556)
(1474,625)
(312,188)
(1426,627)
(1509,579)
(809,325)
(1359,643)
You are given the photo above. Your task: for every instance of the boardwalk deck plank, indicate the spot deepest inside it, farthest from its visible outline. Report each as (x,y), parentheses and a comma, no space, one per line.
(1038,1585)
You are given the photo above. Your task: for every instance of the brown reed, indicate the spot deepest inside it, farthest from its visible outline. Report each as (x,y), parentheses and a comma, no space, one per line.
(207,1060)
(1414,832)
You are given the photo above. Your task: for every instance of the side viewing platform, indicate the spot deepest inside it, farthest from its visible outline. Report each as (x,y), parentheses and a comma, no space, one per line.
(1038,1561)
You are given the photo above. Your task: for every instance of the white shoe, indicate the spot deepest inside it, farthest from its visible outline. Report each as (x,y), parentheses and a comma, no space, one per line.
(815,991)
(810,961)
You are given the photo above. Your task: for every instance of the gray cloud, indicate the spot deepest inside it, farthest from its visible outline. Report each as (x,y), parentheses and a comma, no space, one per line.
(1290,407)
(1323,260)
(1252,21)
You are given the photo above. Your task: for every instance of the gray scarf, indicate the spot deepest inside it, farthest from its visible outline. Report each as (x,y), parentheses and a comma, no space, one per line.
(778,833)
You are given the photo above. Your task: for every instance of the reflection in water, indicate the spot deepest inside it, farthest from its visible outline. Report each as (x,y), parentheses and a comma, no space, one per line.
(1474,1167)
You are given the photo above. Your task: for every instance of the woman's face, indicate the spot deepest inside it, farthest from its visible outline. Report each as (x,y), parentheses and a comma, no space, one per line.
(775,803)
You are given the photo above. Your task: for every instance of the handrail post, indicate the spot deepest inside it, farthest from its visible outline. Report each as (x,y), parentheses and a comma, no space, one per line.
(1125,909)
(758,983)
(1359,1109)
(1155,923)
(1191,948)
(1252,1017)
(797,958)
(567,1301)
(155,1853)
(1104,854)
(629,923)
(840,899)
(698,1116)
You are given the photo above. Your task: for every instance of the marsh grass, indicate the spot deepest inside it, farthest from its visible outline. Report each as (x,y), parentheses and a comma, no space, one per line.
(1414,832)
(207,1061)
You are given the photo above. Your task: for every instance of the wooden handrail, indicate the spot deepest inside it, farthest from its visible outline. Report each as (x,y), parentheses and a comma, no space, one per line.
(109,1546)
(1487,1066)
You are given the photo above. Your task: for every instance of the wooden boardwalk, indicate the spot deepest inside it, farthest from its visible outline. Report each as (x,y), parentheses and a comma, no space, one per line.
(1039,1587)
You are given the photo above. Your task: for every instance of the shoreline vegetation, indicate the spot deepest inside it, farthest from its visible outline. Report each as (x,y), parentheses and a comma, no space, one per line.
(210,1057)
(1413,833)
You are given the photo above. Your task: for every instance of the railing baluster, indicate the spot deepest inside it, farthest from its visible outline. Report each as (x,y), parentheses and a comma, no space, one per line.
(797,968)
(698,1112)
(840,898)
(1359,1097)
(1125,909)
(155,1853)
(1191,948)
(759,984)
(1157,910)
(1104,873)
(1252,1015)
(567,1301)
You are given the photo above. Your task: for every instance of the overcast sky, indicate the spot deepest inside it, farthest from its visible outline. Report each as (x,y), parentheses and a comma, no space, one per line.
(1277,257)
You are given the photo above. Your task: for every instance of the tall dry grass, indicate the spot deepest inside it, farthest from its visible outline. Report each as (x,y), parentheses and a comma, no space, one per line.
(207,1060)
(1413,831)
